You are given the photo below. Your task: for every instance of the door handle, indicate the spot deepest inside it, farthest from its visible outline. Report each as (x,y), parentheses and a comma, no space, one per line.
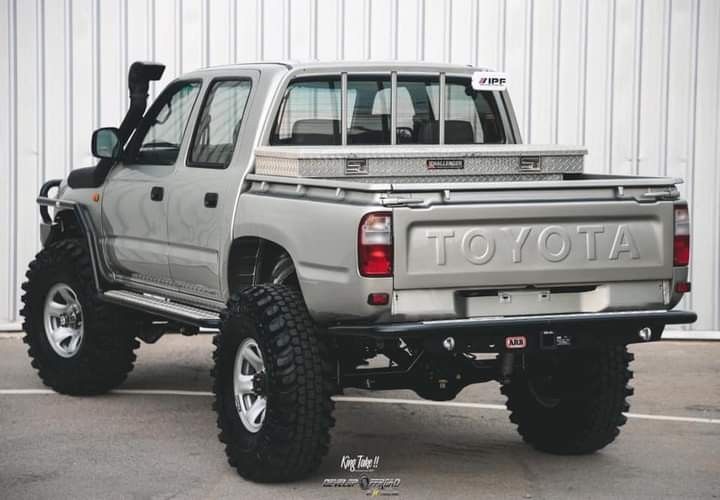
(157,193)
(211,200)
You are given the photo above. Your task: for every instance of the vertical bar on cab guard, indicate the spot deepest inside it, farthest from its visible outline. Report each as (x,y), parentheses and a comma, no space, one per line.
(343,107)
(393,107)
(441,124)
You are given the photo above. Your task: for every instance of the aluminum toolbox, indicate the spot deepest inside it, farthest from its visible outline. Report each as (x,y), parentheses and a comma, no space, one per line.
(420,163)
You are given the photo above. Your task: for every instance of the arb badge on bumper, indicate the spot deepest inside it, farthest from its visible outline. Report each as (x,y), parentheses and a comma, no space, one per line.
(519,342)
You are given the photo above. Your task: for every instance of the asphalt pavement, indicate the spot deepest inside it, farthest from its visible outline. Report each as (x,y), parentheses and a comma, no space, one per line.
(156,438)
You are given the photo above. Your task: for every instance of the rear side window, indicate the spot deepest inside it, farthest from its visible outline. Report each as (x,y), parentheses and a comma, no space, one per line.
(309,114)
(219,123)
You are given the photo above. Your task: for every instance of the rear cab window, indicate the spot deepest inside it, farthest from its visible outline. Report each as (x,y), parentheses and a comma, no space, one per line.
(311,112)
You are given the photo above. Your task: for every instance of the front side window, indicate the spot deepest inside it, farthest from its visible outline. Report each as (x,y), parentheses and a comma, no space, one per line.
(163,137)
(219,123)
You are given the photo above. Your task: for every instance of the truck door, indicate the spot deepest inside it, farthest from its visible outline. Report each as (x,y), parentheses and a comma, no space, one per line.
(202,195)
(135,199)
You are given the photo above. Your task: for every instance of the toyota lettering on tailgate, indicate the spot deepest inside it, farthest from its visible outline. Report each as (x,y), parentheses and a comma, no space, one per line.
(554,243)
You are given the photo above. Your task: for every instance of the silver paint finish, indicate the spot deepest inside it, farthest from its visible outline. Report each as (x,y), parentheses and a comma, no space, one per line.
(316,220)
(196,233)
(134,228)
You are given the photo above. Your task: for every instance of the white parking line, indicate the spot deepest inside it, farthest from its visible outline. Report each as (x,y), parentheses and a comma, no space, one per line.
(11,335)
(359,399)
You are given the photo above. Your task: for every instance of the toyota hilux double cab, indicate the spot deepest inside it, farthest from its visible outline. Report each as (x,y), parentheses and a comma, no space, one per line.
(353,225)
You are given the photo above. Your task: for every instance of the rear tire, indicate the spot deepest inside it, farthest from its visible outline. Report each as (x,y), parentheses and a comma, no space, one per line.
(573,404)
(288,441)
(78,344)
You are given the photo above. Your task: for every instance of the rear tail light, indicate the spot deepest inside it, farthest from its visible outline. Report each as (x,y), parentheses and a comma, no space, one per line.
(375,245)
(681,240)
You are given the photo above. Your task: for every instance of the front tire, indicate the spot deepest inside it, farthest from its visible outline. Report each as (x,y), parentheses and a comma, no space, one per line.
(78,344)
(272,385)
(571,404)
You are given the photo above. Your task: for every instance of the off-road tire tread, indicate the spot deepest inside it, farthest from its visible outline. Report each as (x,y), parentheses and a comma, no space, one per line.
(107,352)
(296,433)
(589,417)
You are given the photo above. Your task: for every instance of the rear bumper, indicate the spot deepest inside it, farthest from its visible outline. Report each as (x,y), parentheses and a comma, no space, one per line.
(620,322)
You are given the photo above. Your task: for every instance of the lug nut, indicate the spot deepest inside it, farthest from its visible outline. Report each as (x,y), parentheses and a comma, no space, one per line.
(449,344)
(645,334)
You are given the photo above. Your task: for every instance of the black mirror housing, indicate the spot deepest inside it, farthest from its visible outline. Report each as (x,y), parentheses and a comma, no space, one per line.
(106,143)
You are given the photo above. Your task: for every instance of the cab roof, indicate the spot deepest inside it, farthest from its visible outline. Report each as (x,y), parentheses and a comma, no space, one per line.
(339,66)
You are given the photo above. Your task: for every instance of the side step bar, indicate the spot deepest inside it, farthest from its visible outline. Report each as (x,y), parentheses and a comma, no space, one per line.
(165,308)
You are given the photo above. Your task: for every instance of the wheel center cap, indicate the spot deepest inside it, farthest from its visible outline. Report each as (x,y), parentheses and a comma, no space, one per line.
(258,382)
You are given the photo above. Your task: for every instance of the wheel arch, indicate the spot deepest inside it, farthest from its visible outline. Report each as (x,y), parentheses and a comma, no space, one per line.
(65,225)
(251,259)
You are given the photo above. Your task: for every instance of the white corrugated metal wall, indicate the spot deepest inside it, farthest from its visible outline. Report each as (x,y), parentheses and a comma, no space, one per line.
(637,81)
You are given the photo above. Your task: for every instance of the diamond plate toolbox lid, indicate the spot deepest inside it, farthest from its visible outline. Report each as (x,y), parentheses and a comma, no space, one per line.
(474,162)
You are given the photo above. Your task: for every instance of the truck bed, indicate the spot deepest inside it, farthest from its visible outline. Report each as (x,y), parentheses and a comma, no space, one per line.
(587,243)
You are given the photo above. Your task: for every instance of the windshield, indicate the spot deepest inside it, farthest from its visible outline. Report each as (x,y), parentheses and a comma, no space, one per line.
(311,112)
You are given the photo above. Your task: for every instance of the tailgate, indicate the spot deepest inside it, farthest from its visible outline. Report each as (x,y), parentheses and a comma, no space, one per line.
(519,244)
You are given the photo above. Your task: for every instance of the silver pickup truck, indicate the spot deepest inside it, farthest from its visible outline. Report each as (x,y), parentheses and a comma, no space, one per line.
(366,225)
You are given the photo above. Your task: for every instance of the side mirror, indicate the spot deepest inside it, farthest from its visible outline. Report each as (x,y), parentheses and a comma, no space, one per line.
(106,143)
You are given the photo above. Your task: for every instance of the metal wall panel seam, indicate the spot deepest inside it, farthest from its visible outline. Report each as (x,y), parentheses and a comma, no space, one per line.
(502,33)
(557,20)
(69,83)
(260,12)
(447,32)
(695,33)
(313,28)
(40,95)
(420,30)
(95,20)
(151,41)
(340,30)
(13,184)
(124,59)
(286,31)
(205,23)
(716,205)
(666,86)
(582,91)
(637,84)
(394,28)
(233,39)
(367,29)
(609,87)
(475,15)
(178,37)
(528,68)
